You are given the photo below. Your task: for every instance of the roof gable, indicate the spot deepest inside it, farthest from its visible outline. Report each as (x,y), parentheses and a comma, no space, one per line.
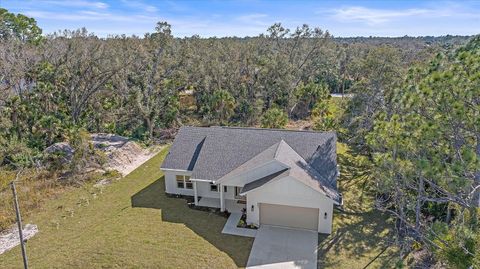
(304,172)
(263,157)
(299,170)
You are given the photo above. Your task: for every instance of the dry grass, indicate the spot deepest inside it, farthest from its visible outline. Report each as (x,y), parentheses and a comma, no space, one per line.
(33,189)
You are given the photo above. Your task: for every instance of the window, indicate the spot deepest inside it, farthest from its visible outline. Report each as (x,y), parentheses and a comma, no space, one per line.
(184,182)
(188,183)
(213,187)
(180,182)
(224,188)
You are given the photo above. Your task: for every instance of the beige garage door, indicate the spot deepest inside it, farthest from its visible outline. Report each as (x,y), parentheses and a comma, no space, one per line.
(289,216)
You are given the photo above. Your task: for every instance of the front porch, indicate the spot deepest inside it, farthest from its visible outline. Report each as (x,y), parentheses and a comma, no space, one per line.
(231,201)
(230,205)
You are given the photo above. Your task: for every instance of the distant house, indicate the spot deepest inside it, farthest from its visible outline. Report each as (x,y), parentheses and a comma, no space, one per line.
(279,177)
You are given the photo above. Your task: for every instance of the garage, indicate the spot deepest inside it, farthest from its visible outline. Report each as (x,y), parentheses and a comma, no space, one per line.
(289,216)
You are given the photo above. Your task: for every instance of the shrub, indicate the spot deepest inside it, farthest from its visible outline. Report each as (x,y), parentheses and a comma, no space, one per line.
(274,118)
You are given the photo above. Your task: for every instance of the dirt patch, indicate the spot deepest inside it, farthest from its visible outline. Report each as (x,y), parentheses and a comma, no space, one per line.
(123,154)
(11,239)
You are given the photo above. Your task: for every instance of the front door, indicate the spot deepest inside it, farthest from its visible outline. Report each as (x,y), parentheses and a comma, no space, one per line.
(238,190)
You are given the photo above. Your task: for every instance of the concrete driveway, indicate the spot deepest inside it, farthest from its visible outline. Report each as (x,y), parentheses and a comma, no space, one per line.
(276,247)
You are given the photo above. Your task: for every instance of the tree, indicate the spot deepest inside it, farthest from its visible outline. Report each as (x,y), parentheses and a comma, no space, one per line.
(152,83)
(323,117)
(293,58)
(85,65)
(274,118)
(222,105)
(308,96)
(20,27)
(427,150)
(378,75)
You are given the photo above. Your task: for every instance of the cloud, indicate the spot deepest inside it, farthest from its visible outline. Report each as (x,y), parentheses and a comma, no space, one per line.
(140,6)
(250,17)
(373,16)
(86,15)
(78,3)
(258,19)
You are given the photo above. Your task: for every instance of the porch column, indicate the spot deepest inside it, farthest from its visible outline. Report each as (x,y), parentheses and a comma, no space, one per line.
(222,201)
(195,195)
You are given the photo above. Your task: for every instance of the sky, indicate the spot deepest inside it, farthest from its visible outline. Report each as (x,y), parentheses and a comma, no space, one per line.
(253,17)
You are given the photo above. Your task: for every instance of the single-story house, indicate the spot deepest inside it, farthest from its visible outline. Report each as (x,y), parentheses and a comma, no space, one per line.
(278,177)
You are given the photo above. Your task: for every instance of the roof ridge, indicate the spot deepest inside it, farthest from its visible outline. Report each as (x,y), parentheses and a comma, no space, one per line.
(278,147)
(290,147)
(266,129)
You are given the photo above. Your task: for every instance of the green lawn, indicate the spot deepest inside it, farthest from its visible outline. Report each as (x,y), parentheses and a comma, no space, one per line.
(360,233)
(86,228)
(132,224)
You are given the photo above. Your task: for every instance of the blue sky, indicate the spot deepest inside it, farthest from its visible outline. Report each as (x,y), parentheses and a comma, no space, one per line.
(252,17)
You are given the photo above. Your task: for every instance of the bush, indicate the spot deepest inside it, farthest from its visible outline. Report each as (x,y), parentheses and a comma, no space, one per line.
(241,223)
(274,118)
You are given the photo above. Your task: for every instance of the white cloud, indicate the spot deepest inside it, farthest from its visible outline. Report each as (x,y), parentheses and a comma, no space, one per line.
(86,15)
(140,6)
(250,17)
(372,16)
(258,19)
(78,3)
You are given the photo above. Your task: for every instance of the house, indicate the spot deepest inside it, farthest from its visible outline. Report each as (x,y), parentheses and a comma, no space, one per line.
(279,177)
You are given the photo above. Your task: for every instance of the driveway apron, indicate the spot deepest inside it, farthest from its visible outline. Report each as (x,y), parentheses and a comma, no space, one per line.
(283,248)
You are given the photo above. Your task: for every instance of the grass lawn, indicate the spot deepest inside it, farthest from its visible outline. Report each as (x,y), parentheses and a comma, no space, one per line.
(86,228)
(132,224)
(360,233)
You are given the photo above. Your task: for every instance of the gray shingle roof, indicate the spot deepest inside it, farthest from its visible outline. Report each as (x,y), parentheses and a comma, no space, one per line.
(212,152)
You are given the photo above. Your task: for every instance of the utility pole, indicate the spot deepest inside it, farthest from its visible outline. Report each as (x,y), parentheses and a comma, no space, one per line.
(19,222)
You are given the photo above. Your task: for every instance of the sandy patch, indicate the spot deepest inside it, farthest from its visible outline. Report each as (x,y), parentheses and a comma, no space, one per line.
(11,239)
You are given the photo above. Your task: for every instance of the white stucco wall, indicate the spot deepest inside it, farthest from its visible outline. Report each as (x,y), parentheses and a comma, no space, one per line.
(285,191)
(289,191)
(171,183)
(203,188)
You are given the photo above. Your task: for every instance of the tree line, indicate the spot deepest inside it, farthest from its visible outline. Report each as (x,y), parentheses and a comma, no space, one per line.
(420,127)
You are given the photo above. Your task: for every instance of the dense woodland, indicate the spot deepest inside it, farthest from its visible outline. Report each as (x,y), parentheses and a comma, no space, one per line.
(413,109)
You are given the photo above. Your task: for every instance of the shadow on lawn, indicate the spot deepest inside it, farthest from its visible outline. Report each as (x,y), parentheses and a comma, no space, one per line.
(207,225)
(358,235)
(360,232)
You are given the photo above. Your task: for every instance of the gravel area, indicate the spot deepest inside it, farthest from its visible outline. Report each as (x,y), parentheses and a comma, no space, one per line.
(11,239)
